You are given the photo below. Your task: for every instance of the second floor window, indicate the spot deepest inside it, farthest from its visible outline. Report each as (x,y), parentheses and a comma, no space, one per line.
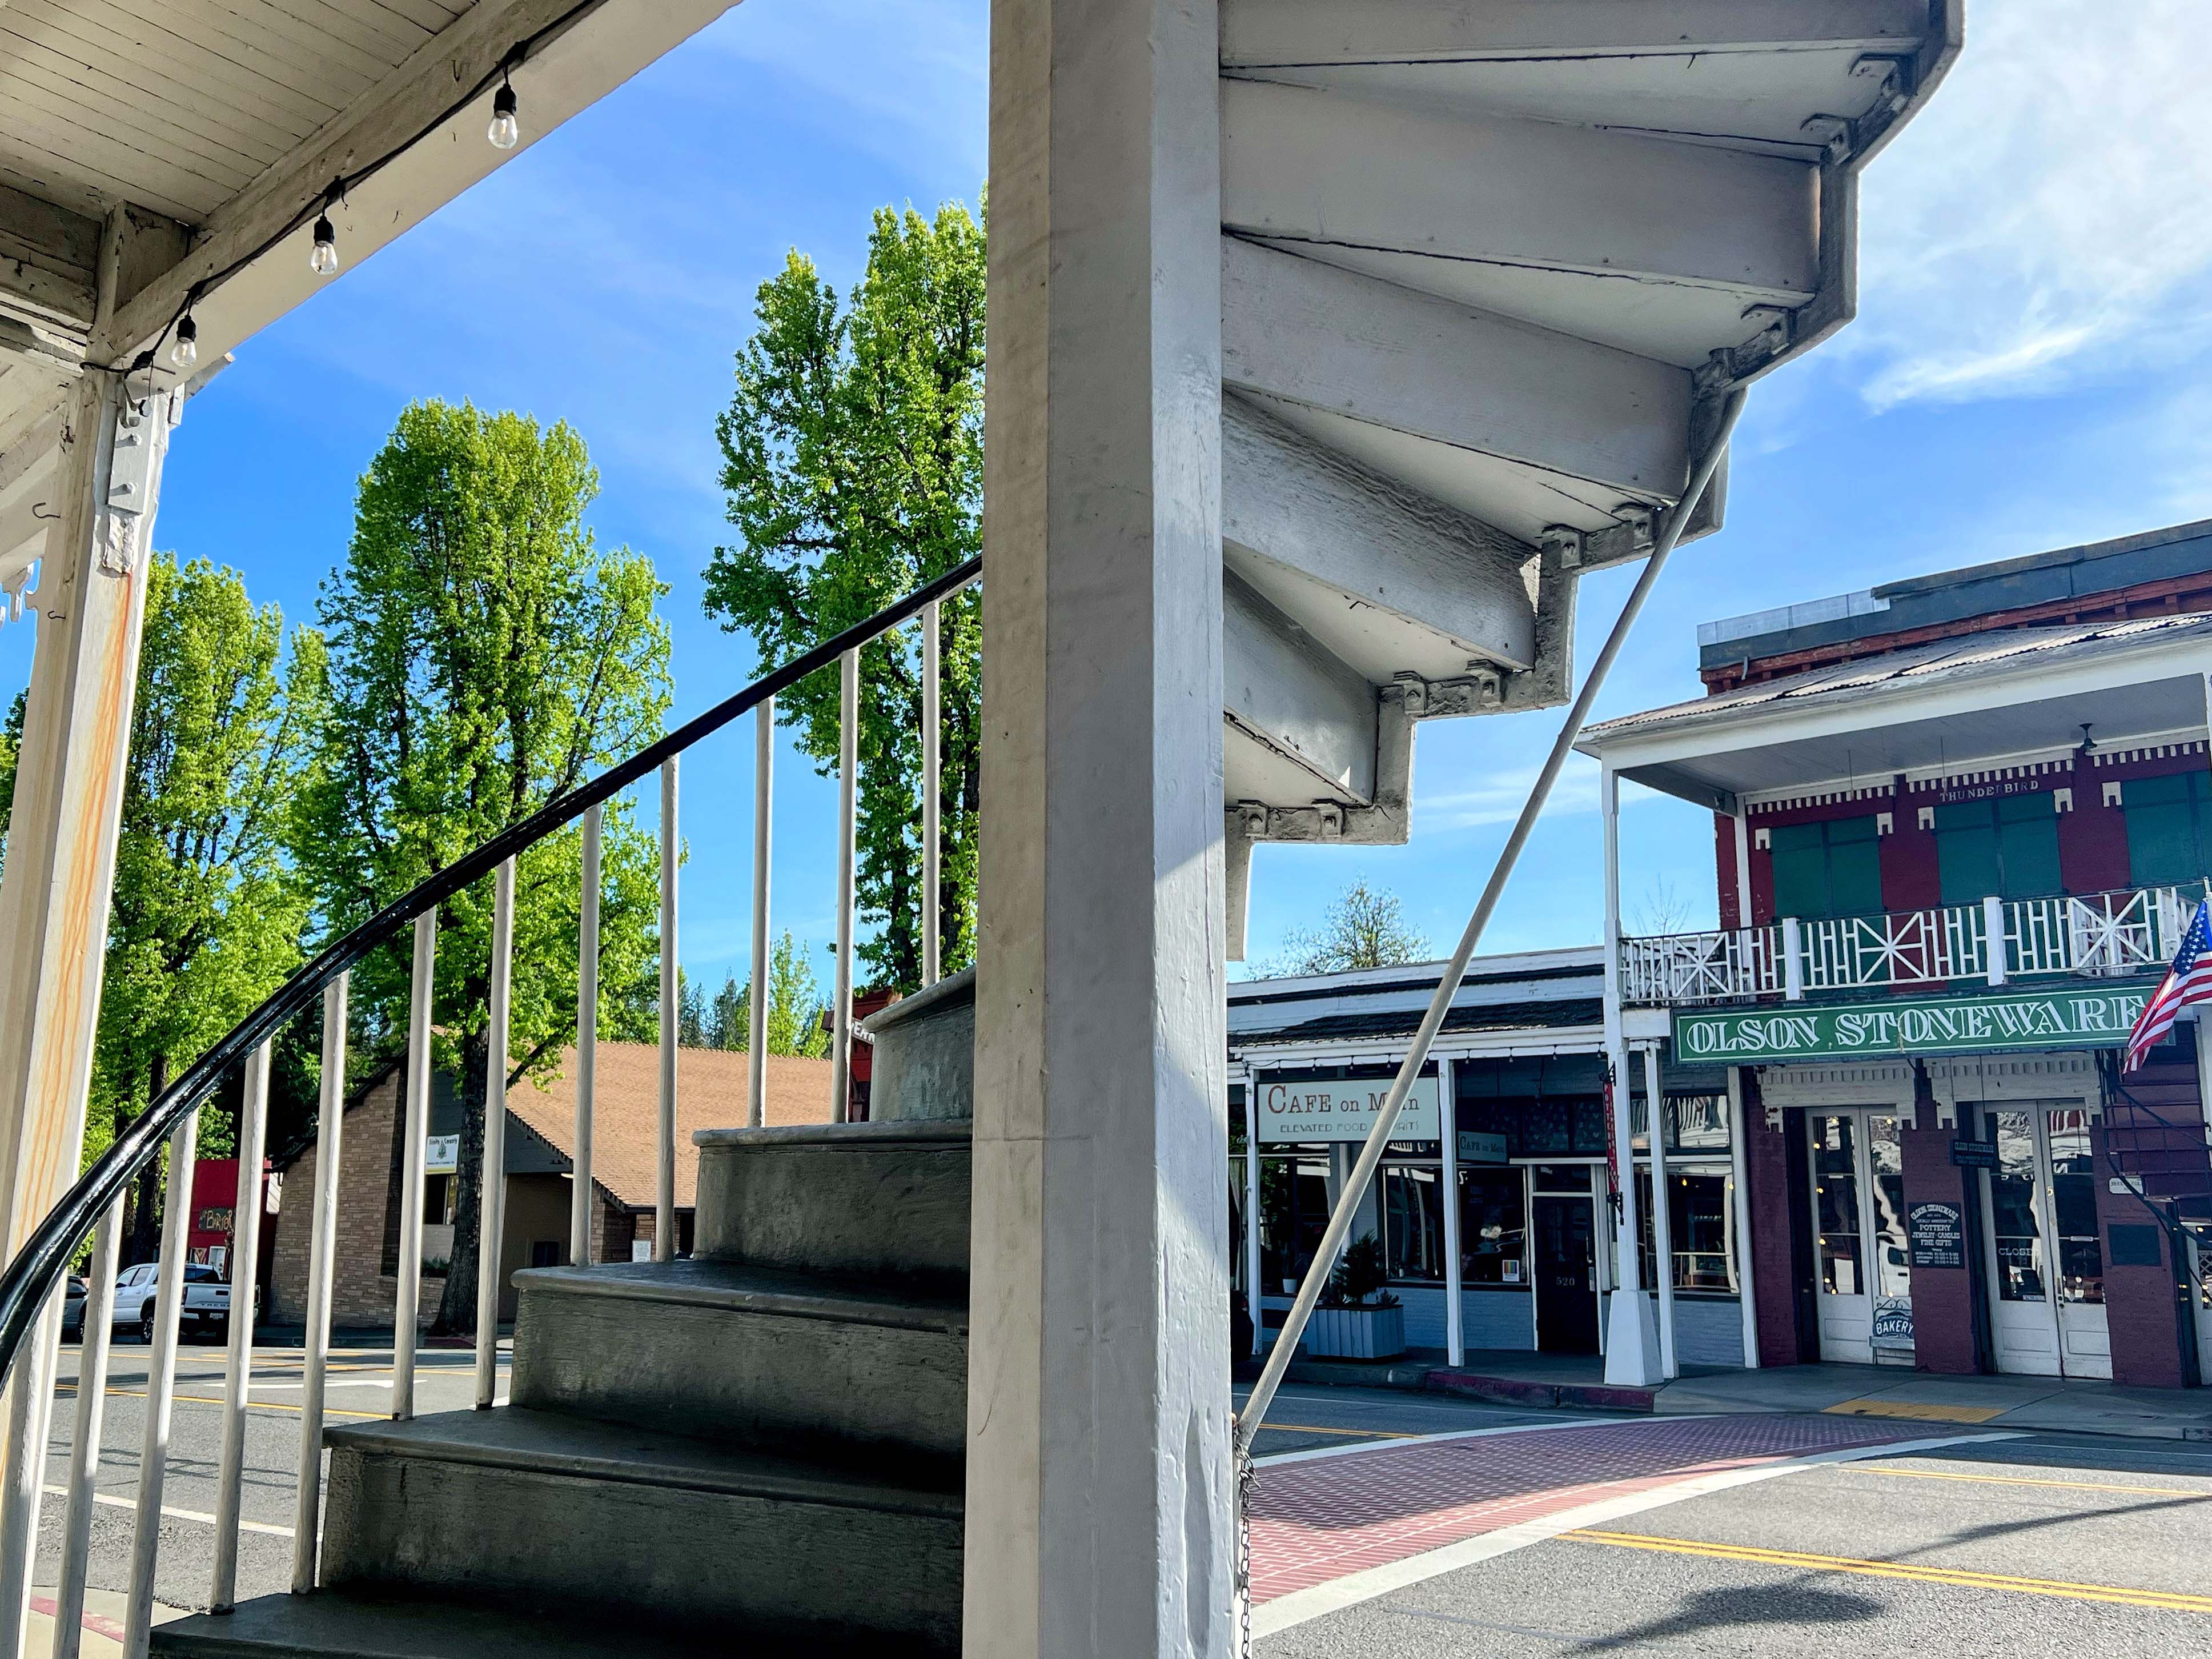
(2166,824)
(1830,869)
(2008,846)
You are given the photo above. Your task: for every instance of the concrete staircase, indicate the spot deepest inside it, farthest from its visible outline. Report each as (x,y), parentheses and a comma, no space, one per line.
(765,1438)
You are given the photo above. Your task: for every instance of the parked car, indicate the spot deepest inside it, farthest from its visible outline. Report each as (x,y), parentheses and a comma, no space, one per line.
(73,1310)
(207,1300)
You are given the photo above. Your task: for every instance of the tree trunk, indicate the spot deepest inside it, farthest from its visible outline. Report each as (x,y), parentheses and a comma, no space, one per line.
(457,1309)
(145,1241)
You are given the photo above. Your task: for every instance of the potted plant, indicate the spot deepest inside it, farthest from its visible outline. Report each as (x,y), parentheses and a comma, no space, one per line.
(1358,1318)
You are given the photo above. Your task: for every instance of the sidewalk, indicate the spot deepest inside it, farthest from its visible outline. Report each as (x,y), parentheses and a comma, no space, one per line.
(2066,1405)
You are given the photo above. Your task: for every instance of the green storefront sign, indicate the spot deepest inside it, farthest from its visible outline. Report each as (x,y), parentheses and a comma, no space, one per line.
(1991,1022)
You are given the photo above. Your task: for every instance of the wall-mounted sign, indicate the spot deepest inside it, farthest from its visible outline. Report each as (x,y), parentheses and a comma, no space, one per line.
(2060,1017)
(1345,1109)
(1974,1154)
(1892,1322)
(441,1154)
(1477,1146)
(1938,1235)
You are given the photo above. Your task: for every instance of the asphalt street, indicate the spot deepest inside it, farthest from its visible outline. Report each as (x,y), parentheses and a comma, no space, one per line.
(359,1386)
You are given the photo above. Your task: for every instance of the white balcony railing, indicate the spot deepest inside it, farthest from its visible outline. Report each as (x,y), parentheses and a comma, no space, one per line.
(2134,931)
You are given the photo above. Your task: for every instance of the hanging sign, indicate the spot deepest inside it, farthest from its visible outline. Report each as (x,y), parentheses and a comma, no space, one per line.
(2059,1018)
(441,1154)
(1974,1154)
(1938,1236)
(1345,1109)
(1479,1147)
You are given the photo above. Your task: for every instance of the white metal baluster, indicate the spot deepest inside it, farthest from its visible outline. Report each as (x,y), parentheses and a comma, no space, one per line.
(322,1260)
(491,1167)
(587,1045)
(756,998)
(84,1448)
(848,773)
(1793,960)
(30,1416)
(411,1159)
(238,1378)
(932,763)
(664,1203)
(161,1383)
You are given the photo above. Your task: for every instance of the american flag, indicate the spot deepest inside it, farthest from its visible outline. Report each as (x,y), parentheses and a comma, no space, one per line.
(2189,980)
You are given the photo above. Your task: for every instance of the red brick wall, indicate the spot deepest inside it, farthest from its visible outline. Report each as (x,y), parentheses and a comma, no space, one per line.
(1942,1297)
(1774,1270)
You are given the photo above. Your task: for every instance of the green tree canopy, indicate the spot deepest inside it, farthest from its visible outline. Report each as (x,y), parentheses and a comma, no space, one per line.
(1363,928)
(853,457)
(484,655)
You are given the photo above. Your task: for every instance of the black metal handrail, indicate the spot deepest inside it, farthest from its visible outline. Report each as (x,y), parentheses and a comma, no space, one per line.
(38,1267)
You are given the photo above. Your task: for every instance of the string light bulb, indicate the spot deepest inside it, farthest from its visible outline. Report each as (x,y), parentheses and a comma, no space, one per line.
(324,259)
(186,350)
(504,132)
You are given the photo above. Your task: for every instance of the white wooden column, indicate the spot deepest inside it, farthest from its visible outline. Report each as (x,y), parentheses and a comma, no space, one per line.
(1099,1517)
(1663,1217)
(1631,1340)
(1740,1211)
(1455,1307)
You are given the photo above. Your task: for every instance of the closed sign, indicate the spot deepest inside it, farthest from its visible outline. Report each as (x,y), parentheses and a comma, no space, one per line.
(1346,1110)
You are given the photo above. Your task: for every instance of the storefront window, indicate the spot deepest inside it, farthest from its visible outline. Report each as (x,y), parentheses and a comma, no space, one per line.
(1566,1126)
(1413,1222)
(1836,1204)
(1886,1160)
(2074,1204)
(1493,1239)
(1699,1231)
(2020,1276)
(1293,1212)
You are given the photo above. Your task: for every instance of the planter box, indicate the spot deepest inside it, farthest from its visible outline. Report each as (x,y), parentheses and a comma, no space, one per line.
(1355,1333)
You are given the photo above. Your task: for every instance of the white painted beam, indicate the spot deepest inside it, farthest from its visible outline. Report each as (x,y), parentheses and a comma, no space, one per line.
(48,259)
(1284,690)
(597,52)
(1267,33)
(1385,578)
(1342,171)
(1354,346)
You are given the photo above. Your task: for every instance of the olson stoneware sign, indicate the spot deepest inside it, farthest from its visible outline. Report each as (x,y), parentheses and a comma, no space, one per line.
(1345,1109)
(2055,1018)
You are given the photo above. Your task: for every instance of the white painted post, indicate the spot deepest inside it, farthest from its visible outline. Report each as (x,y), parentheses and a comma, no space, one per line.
(848,774)
(587,1043)
(84,1443)
(322,1261)
(757,998)
(664,1182)
(413,1153)
(1793,960)
(1455,1311)
(1740,1211)
(1100,1475)
(1662,1219)
(932,692)
(238,1376)
(161,1389)
(1632,1339)
(1252,1301)
(1993,932)
(491,1167)
(1746,973)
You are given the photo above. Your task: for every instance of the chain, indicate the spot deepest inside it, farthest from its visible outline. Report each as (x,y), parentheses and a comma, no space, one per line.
(1248,1484)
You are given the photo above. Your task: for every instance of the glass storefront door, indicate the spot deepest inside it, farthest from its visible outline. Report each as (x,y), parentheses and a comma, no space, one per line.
(2046,1261)
(1864,1289)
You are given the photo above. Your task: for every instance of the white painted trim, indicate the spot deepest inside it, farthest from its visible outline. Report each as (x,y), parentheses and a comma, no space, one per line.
(1983,1078)
(1516,1044)
(1302,1606)
(1885,1084)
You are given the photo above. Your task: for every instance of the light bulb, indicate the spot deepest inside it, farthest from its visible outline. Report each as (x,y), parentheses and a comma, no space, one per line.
(506,132)
(187,351)
(324,259)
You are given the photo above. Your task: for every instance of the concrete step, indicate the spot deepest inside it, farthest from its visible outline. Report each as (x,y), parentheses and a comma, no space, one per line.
(886,1200)
(924,1068)
(843,1371)
(541,1513)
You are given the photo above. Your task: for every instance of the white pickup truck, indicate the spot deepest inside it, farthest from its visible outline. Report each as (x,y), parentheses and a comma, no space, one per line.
(207,1300)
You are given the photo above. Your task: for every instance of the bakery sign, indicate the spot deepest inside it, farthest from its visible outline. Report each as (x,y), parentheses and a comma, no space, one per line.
(1345,1109)
(2059,1018)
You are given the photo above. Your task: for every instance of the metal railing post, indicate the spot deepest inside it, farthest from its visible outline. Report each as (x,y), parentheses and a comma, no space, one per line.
(1793,960)
(671,850)
(413,1152)
(322,1260)
(161,1387)
(491,1165)
(84,1441)
(932,762)
(848,768)
(587,1044)
(1993,939)
(758,998)
(245,1274)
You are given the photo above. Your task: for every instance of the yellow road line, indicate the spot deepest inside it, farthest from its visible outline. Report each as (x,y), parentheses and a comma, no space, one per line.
(2025,1481)
(2173,1601)
(1315,1428)
(251,1404)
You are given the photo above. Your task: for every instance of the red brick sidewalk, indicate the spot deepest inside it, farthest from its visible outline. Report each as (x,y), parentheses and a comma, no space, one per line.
(1316,1521)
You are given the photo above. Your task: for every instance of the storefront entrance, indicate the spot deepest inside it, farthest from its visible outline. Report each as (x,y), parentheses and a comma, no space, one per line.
(2045,1260)
(1565,1228)
(1865,1288)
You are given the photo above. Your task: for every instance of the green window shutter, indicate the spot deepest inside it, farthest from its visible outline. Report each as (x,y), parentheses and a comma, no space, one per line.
(1854,867)
(1800,870)
(1966,852)
(2162,834)
(2027,846)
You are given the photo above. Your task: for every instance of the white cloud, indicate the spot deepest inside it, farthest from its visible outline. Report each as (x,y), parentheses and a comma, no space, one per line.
(1498,796)
(2042,221)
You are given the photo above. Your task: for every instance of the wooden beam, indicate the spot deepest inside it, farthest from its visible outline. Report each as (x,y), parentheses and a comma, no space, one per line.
(1272,33)
(48,260)
(1303,331)
(1339,170)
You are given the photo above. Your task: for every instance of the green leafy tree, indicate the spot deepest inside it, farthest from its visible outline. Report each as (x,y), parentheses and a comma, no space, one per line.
(485,655)
(1363,928)
(691,1013)
(797,1015)
(729,1022)
(853,458)
(11,747)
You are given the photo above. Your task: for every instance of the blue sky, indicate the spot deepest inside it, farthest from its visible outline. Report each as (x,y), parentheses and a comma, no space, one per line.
(2026,371)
